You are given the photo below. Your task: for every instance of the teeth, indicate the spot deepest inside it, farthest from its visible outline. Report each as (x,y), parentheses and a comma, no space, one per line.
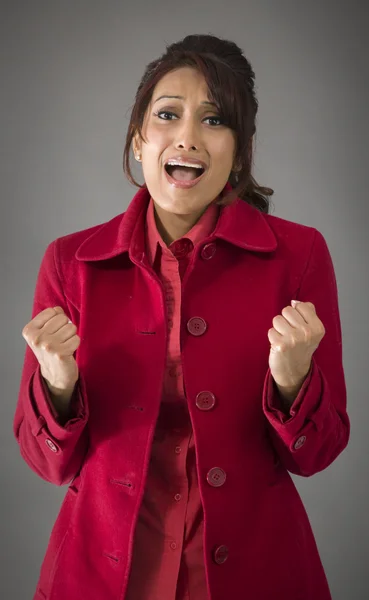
(183,164)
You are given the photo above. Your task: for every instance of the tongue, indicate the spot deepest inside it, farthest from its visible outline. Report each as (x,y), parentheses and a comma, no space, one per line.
(184,173)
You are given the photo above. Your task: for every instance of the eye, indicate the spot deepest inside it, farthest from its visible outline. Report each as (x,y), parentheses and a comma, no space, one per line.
(163,112)
(167,112)
(216,119)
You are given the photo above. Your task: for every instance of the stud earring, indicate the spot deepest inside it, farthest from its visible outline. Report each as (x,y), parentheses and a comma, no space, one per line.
(138,157)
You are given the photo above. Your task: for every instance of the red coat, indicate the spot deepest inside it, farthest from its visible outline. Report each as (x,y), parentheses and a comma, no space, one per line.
(258,542)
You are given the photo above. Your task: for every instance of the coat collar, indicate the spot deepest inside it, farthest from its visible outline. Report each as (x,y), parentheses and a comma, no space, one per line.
(239,224)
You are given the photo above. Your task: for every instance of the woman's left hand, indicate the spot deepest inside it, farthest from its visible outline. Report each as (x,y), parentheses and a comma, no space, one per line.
(294,337)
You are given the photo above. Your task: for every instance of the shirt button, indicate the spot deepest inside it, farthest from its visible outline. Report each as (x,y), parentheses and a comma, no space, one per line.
(177,497)
(220,554)
(205,400)
(170,323)
(181,247)
(196,326)
(173,371)
(216,477)
(178,449)
(51,445)
(300,442)
(173,545)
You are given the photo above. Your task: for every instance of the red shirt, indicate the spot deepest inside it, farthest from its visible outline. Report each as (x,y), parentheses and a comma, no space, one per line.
(168,562)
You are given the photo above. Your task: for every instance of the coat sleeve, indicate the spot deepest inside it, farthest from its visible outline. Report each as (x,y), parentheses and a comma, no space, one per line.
(317,429)
(52,449)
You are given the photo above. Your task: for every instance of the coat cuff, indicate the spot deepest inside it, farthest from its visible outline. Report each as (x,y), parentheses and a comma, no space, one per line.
(41,411)
(310,404)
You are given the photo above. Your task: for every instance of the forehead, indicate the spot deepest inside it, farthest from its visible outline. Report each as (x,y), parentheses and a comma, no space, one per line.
(181,82)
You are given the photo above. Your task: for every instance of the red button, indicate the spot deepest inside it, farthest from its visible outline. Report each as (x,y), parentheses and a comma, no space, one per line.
(196,326)
(208,251)
(51,445)
(220,554)
(300,442)
(178,449)
(173,545)
(181,247)
(177,497)
(205,400)
(175,371)
(216,477)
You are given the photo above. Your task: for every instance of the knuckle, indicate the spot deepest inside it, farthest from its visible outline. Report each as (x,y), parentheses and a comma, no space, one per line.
(307,333)
(35,340)
(292,342)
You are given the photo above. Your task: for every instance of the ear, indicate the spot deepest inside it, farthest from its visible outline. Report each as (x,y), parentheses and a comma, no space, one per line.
(136,144)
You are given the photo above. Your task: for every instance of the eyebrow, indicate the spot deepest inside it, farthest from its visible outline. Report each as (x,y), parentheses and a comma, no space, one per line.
(182,98)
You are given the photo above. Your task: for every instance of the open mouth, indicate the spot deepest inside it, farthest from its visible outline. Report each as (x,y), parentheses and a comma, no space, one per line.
(181,173)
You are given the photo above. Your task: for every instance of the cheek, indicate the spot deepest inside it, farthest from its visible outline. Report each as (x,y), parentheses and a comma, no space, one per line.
(222,151)
(157,137)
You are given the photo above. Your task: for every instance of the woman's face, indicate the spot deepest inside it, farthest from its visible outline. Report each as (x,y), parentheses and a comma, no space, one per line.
(185,126)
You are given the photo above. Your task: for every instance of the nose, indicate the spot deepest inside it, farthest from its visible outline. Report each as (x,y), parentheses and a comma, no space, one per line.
(187,138)
(185,146)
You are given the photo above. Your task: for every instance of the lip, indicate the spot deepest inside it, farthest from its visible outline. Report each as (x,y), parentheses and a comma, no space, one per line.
(184,158)
(185,184)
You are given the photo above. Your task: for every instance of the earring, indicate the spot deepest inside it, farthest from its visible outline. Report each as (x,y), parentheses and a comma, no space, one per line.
(138,157)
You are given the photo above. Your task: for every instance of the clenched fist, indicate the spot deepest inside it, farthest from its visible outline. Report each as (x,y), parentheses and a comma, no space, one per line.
(53,340)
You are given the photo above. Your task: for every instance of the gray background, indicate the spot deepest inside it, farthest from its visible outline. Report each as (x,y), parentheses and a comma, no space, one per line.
(69,72)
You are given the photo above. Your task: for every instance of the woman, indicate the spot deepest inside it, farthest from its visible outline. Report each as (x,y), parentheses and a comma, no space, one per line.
(196,384)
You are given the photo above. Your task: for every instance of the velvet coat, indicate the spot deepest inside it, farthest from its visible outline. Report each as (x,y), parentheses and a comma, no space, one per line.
(258,541)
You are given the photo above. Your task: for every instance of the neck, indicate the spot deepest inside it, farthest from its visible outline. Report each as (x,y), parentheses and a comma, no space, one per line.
(172,227)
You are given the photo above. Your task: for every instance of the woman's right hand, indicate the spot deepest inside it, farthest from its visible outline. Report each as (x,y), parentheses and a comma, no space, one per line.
(53,340)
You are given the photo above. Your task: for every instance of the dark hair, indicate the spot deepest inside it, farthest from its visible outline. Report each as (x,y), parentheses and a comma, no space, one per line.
(230,80)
